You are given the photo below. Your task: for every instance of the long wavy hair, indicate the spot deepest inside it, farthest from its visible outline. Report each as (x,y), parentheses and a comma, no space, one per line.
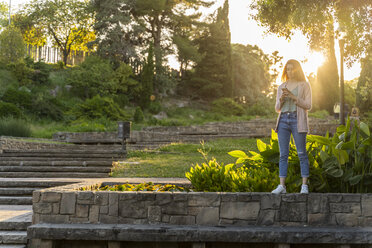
(297,69)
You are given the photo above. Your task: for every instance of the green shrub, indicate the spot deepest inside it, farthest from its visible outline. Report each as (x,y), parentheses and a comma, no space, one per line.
(320,114)
(155,107)
(264,106)
(227,106)
(138,115)
(7,79)
(97,108)
(93,76)
(48,107)
(9,109)
(12,47)
(215,177)
(14,127)
(20,98)
(41,72)
(21,72)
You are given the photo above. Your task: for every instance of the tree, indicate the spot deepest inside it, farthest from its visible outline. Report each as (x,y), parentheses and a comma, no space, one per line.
(213,76)
(68,23)
(12,47)
(251,72)
(147,79)
(135,24)
(4,21)
(317,20)
(364,87)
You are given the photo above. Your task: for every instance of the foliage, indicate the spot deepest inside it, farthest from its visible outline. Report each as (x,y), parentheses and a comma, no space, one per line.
(147,79)
(3,14)
(67,23)
(316,20)
(227,106)
(138,115)
(9,109)
(364,88)
(12,47)
(213,74)
(155,107)
(320,114)
(144,187)
(21,72)
(262,106)
(45,106)
(14,127)
(96,108)
(344,160)
(96,76)
(251,68)
(20,98)
(213,177)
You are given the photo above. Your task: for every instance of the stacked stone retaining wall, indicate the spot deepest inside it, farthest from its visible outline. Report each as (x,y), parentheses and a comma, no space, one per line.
(68,204)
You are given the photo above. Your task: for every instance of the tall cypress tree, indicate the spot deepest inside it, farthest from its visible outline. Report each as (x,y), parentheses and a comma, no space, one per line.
(213,77)
(147,79)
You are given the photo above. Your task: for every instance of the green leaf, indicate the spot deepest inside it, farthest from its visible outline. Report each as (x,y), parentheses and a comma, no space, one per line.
(342,156)
(355,179)
(238,154)
(261,145)
(348,145)
(342,136)
(365,129)
(323,156)
(274,135)
(335,172)
(319,139)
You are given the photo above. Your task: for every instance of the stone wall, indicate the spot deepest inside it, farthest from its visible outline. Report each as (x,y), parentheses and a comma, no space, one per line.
(67,204)
(195,133)
(12,143)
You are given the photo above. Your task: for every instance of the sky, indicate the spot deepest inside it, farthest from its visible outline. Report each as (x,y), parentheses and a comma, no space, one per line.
(244,30)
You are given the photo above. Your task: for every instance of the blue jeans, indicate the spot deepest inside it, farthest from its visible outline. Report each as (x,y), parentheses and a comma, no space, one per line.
(287,126)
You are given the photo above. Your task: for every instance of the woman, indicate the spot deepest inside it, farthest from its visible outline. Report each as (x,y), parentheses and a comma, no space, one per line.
(293,100)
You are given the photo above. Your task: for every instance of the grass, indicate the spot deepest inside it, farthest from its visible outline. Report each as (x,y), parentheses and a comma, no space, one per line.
(175,159)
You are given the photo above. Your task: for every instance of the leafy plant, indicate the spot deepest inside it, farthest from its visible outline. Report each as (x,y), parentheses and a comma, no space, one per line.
(138,115)
(345,159)
(14,127)
(227,106)
(9,109)
(144,187)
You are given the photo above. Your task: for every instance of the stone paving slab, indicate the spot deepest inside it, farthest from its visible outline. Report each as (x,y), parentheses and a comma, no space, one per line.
(15,213)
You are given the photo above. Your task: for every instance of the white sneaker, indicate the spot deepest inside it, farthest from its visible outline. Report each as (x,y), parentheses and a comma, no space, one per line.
(279,190)
(304,189)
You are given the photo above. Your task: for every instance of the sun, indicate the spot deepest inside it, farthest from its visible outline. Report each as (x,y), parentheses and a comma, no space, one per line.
(312,61)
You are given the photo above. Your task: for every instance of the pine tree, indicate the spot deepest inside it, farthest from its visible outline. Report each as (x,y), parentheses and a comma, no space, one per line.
(213,77)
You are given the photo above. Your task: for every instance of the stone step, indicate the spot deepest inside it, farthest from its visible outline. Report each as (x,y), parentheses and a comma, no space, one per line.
(106,163)
(15,217)
(53,175)
(16,200)
(33,183)
(15,226)
(54,169)
(63,155)
(13,246)
(13,237)
(20,158)
(17,191)
(69,151)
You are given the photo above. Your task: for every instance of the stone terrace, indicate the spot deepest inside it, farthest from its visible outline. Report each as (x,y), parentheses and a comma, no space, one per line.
(200,217)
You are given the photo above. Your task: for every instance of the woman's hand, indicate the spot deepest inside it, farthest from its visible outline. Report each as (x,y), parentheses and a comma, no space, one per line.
(286,93)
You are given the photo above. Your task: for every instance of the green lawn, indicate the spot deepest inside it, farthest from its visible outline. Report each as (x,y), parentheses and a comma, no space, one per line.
(175,159)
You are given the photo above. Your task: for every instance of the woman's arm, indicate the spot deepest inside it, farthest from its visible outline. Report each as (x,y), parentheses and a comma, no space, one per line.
(305,102)
(278,103)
